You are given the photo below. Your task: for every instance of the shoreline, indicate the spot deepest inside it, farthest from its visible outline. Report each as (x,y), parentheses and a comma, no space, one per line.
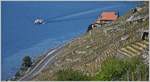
(39,58)
(49,50)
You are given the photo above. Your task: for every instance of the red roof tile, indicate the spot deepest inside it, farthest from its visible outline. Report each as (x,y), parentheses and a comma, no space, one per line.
(109,16)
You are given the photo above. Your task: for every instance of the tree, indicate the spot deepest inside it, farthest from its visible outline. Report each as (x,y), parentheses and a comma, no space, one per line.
(17,74)
(27,62)
(25,65)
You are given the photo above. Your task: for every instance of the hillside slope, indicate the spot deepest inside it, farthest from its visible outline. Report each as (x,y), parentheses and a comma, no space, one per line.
(122,39)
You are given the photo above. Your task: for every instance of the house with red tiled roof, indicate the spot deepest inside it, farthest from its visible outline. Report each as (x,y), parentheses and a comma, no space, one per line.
(107,17)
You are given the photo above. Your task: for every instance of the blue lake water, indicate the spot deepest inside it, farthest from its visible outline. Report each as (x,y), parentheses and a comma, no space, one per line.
(66,20)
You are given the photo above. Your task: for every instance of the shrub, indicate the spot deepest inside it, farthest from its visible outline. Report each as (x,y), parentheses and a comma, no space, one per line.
(112,69)
(27,61)
(71,75)
(131,69)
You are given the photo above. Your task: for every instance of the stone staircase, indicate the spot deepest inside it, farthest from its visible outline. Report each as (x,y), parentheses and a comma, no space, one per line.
(134,49)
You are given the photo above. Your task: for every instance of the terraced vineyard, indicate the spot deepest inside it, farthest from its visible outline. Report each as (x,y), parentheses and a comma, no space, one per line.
(134,49)
(121,39)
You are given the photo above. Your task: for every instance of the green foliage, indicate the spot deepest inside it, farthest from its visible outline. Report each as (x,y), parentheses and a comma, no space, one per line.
(131,69)
(27,61)
(70,75)
(17,74)
(25,65)
(111,69)
(137,70)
